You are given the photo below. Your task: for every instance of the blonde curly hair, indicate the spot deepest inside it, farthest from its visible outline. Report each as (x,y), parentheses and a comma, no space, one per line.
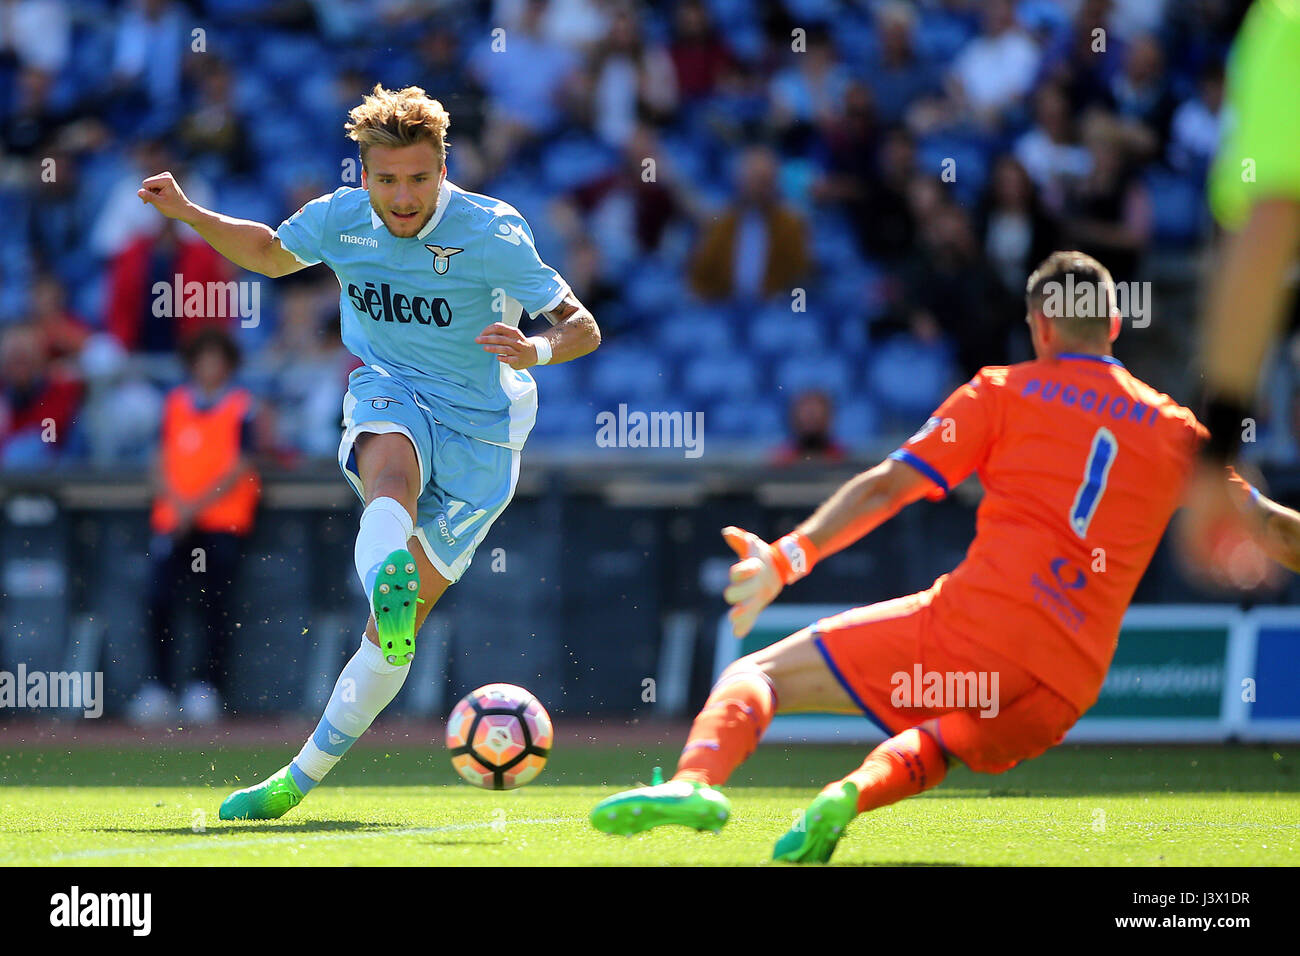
(399,118)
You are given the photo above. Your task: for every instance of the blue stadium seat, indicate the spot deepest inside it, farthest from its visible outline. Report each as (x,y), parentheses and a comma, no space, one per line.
(907,377)
(834,246)
(653,289)
(970,164)
(940,36)
(623,373)
(696,329)
(712,375)
(561,382)
(824,372)
(775,330)
(687,156)
(573,160)
(857,423)
(565,420)
(1178,207)
(759,419)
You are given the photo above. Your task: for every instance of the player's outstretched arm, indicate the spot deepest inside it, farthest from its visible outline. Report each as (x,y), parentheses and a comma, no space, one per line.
(572,335)
(861,504)
(1235,544)
(1276,530)
(249,245)
(864,503)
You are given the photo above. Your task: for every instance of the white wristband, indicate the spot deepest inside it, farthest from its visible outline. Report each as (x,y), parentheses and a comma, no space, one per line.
(543,346)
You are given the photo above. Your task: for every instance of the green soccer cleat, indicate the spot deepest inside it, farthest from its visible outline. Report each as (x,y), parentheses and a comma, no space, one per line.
(395,596)
(643,808)
(813,838)
(269,800)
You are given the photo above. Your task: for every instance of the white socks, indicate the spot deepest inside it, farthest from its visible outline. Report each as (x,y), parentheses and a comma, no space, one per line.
(385,527)
(367,685)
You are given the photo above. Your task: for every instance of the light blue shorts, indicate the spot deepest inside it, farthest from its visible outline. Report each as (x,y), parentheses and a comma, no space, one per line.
(466,483)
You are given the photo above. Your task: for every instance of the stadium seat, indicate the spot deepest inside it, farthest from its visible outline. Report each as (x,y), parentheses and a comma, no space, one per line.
(761,419)
(970,164)
(711,376)
(834,246)
(857,423)
(571,161)
(1177,205)
(652,289)
(566,420)
(908,378)
(621,374)
(940,36)
(559,382)
(805,372)
(775,330)
(696,329)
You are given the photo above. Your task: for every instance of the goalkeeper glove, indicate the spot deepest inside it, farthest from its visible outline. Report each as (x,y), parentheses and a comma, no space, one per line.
(762,571)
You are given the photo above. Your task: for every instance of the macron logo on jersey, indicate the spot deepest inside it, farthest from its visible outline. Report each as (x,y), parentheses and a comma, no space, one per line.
(370,241)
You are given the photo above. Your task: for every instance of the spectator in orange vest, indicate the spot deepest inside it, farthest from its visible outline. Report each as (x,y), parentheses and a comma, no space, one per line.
(206,495)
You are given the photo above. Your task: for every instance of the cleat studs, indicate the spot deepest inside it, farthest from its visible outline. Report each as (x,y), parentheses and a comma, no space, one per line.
(410,567)
(383,589)
(392,658)
(411,585)
(390,569)
(409,656)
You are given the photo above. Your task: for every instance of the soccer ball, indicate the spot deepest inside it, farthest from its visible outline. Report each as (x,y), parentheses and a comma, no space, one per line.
(499,737)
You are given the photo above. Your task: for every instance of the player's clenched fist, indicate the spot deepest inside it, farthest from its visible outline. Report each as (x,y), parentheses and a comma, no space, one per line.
(764,569)
(164,194)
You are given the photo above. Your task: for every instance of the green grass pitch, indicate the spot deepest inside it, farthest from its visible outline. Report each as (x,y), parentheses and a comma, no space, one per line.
(1148,806)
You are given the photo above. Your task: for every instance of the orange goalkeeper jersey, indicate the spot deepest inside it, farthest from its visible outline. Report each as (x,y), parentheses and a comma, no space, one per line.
(1082,466)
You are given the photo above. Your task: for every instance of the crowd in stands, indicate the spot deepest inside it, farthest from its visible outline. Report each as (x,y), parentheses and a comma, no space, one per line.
(758,199)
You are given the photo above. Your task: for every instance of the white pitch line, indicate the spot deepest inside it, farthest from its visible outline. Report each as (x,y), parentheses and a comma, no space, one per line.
(215,842)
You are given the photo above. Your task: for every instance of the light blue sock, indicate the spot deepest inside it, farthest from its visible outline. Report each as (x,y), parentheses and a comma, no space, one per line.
(366,686)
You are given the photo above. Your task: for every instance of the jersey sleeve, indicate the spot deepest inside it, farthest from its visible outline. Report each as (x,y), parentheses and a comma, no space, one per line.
(303,232)
(956,439)
(511,263)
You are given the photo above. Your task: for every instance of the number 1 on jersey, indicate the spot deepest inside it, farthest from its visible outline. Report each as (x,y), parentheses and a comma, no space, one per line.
(1100,457)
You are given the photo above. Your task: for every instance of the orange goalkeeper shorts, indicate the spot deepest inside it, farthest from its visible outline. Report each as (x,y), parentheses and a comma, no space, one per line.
(902,669)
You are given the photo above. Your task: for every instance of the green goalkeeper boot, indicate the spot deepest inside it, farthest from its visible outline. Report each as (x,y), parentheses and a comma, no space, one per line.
(813,837)
(269,800)
(679,802)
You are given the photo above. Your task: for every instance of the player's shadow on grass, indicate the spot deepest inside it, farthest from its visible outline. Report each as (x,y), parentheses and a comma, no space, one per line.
(260,826)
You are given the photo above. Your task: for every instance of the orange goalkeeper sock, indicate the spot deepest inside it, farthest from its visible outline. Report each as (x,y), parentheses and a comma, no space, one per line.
(728,728)
(900,767)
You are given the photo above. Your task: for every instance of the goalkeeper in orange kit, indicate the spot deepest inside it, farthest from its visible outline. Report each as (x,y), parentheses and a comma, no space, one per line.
(1082,466)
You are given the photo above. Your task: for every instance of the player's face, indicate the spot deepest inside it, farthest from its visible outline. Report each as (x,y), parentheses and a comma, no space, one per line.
(403,182)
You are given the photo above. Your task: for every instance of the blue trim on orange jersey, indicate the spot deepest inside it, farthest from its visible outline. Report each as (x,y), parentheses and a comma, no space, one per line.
(921,465)
(835,672)
(1108,359)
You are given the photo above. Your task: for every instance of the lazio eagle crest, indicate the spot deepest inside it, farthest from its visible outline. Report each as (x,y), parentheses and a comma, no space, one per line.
(442,257)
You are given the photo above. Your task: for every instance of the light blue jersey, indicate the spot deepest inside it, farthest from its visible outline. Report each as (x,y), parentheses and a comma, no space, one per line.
(411,308)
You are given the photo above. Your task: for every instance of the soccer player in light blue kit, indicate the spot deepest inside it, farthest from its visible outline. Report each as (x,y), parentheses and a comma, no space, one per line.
(433,281)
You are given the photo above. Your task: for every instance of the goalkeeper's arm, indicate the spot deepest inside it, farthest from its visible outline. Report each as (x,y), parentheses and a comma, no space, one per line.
(862,504)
